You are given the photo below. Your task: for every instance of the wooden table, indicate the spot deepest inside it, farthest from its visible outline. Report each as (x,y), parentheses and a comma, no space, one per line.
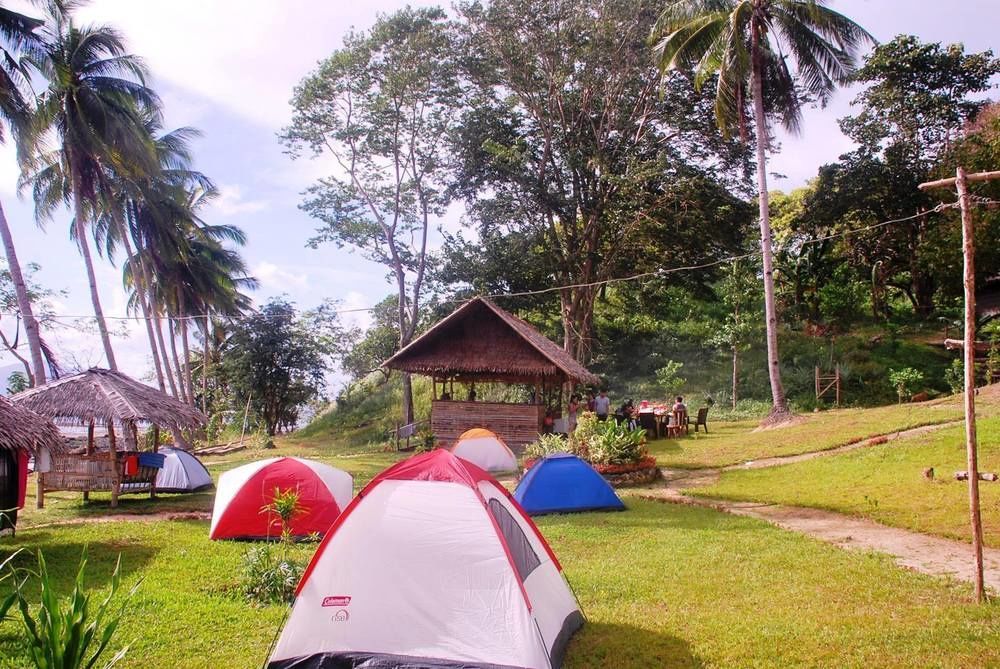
(662,420)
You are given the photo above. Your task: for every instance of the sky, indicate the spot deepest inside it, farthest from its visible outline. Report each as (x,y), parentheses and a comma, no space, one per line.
(228,67)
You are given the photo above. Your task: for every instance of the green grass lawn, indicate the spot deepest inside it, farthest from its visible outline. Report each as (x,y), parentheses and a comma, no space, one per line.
(661,585)
(885,483)
(735,443)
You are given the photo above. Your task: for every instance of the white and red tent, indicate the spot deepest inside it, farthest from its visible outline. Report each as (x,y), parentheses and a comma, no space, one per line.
(432,565)
(324,491)
(486,450)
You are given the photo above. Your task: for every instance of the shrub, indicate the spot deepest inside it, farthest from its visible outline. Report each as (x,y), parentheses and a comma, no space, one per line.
(269,576)
(616,444)
(586,427)
(285,505)
(547,444)
(76,636)
(905,381)
(954,376)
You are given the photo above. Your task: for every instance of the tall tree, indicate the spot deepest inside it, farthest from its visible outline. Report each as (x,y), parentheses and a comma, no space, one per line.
(276,361)
(382,107)
(568,148)
(18,38)
(741,43)
(89,121)
(918,98)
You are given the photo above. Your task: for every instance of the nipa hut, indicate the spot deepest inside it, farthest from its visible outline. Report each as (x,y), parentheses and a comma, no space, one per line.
(480,342)
(23,435)
(121,406)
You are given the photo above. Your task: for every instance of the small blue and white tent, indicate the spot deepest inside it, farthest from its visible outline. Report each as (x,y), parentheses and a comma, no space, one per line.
(563,483)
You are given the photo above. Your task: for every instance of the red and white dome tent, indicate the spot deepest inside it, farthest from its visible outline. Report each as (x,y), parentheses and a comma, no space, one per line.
(486,450)
(432,565)
(324,491)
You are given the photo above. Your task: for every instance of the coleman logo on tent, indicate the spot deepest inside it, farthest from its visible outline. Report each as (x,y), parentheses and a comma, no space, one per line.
(339,600)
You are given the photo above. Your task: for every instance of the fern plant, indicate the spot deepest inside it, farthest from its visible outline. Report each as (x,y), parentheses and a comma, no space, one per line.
(78,635)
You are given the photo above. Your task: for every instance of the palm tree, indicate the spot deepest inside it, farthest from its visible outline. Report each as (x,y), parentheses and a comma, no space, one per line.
(192,273)
(18,38)
(743,43)
(142,210)
(93,112)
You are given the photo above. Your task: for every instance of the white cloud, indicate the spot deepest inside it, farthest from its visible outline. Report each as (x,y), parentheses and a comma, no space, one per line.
(246,55)
(231,201)
(275,280)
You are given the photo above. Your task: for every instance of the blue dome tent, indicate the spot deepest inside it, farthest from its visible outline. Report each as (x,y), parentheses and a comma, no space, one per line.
(563,483)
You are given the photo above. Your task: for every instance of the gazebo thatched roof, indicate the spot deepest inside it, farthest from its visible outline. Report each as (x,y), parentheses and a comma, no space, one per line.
(481,341)
(104,396)
(24,429)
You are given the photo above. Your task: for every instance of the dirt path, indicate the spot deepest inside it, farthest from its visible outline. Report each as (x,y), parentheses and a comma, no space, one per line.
(923,553)
(119,517)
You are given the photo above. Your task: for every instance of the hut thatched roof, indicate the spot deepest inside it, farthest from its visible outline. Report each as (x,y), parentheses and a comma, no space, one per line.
(24,429)
(481,341)
(104,396)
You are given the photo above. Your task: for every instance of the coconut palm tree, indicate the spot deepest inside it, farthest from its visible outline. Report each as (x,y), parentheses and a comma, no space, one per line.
(90,123)
(192,272)
(745,45)
(140,209)
(17,39)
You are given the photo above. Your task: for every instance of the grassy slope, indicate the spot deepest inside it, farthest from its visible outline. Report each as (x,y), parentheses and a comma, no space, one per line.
(662,586)
(734,443)
(885,483)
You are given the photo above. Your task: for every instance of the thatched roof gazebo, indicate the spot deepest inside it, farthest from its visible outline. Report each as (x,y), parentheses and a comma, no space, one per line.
(480,342)
(22,434)
(102,397)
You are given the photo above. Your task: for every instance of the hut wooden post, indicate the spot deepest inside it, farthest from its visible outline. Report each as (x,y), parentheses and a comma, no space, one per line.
(90,451)
(115,474)
(40,492)
(156,448)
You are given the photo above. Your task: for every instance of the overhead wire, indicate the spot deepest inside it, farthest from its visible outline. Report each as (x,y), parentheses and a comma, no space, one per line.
(660,272)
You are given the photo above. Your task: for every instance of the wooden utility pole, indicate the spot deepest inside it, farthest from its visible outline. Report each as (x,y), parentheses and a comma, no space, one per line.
(961,184)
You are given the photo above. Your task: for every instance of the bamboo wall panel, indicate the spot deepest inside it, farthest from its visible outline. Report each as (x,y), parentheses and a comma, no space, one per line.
(91,473)
(517,424)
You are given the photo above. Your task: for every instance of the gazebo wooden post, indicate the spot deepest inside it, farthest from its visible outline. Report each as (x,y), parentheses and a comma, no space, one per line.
(156,448)
(90,451)
(434,388)
(115,474)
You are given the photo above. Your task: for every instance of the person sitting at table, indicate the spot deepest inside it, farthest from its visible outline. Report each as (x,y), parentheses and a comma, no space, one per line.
(627,413)
(472,394)
(445,396)
(679,405)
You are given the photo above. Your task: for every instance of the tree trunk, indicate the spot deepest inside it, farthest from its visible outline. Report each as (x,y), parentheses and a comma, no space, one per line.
(779,404)
(157,322)
(81,239)
(186,349)
(736,373)
(140,292)
(204,367)
(23,304)
(407,399)
(181,390)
